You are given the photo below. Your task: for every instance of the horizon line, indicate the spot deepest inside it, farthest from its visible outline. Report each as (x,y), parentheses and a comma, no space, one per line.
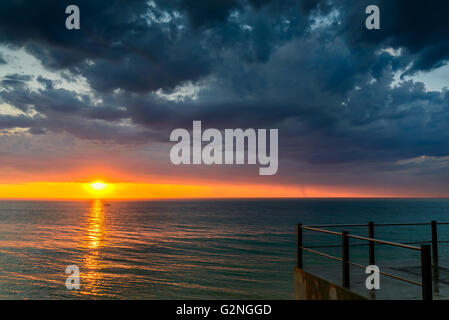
(222,198)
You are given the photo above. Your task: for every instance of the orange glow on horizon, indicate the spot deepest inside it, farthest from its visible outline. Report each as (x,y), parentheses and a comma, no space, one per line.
(136,191)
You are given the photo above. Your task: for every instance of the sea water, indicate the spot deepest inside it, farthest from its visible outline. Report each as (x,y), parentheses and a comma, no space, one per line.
(214,249)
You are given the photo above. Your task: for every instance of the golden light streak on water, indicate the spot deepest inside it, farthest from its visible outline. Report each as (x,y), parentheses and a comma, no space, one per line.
(91,276)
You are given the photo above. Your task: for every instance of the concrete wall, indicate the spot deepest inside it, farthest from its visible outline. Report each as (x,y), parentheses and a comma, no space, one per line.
(310,287)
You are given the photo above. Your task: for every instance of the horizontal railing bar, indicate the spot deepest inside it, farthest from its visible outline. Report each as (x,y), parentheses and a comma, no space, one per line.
(335,225)
(403,224)
(363,238)
(376,224)
(322,230)
(360,266)
(395,244)
(407,224)
(322,254)
(367,244)
(336,245)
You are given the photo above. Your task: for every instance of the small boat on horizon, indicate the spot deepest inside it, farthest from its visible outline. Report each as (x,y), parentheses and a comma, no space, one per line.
(107,204)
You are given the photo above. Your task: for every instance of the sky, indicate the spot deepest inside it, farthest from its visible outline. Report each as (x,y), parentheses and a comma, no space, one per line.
(360,113)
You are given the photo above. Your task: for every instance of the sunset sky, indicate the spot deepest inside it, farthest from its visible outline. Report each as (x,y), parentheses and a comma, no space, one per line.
(359,112)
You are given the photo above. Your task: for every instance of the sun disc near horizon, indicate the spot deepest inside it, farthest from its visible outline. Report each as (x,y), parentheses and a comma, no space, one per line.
(99,189)
(98,185)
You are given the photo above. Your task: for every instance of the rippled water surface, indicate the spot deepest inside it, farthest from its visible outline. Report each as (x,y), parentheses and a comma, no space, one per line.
(178,249)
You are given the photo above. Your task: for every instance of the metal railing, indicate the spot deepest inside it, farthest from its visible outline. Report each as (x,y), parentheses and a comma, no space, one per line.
(424,249)
(434,239)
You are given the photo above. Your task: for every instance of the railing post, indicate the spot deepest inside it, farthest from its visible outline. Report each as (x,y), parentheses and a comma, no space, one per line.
(299,246)
(345,258)
(372,259)
(434,243)
(426,272)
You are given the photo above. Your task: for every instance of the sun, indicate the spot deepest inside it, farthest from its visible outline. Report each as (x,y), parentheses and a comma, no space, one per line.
(98,185)
(99,189)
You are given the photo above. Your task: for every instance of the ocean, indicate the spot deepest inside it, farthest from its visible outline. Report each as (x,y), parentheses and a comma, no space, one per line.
(198,249)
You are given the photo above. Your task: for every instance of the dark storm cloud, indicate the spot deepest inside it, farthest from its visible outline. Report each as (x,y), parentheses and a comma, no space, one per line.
(45,102)
(329,89)
(10,122)
(127,50)
(419,27)
(106,113)
(15,80)
(60,110)
(207,13)
(48,84)
(138,46)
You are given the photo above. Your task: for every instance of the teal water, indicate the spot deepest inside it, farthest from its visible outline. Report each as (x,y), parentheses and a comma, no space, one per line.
(217,249)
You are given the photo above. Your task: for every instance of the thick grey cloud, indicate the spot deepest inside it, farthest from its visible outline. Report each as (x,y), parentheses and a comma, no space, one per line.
(117,36)
(15,80)
(420,28)
(8,122)
(142,46)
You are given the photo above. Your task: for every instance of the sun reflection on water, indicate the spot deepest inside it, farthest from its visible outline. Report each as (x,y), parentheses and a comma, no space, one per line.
(95,234)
